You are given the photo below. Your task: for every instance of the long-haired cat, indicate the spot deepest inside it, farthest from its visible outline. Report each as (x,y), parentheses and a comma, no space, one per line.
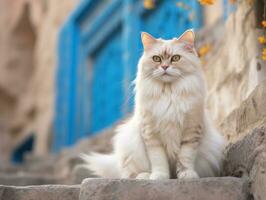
(169,134)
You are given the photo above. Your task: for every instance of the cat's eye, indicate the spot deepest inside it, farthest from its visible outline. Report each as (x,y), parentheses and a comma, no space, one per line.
(175,58)
(156,58)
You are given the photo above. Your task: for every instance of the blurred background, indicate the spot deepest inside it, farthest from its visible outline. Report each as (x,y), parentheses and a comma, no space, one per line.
(66,70)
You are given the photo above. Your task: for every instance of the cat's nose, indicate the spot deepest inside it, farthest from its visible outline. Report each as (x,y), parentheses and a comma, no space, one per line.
(165,67)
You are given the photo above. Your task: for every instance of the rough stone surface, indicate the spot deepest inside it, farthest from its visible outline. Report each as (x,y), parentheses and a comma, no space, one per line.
(198,189)
(247,158)
(250,114)
(27,70)
(231,65)
(241,156)
(258,175)
(48,192)
(22,179)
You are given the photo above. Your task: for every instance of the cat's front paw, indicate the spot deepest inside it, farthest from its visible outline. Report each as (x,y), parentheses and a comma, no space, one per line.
(187,174)
(159,176)
(143,175)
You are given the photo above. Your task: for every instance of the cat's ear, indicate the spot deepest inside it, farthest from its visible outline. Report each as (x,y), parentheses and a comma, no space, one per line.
(147,40)
(187,37)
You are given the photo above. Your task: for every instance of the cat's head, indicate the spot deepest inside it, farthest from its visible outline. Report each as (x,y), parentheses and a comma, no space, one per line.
(168,60)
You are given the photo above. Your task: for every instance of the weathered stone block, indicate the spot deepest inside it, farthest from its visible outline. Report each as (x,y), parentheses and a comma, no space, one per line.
(226,188)
(249,115)
(258,175)
(241,156)
(27,179)
(47,192)
(247,158)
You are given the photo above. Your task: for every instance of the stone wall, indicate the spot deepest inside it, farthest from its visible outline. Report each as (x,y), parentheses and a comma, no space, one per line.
(27,68)
(233,67)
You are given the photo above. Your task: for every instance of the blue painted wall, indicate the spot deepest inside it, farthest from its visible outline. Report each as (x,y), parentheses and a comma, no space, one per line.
(98,50)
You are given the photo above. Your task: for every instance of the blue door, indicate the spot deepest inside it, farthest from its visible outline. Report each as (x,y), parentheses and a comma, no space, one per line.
(107,84)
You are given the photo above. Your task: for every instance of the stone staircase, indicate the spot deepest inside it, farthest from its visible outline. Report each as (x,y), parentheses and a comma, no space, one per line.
(226,188)
(58,179)
(250,184)
(244,179)
(41,192)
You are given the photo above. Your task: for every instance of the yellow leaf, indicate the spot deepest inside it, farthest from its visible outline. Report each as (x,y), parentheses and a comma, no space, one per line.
(232,1)
(263,23)
(250,2)
(263,56)
(149,4)
(206,2)
(262,39)
(204,50)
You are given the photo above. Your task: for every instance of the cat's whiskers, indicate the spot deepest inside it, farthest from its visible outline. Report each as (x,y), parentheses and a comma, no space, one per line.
(147,77)
(157,73)
(176,73)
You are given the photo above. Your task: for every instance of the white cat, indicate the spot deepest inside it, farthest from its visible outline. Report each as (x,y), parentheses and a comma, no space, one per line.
(169,134)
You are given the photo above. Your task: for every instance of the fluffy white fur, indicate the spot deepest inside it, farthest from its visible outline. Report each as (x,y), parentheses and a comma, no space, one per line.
(168,103)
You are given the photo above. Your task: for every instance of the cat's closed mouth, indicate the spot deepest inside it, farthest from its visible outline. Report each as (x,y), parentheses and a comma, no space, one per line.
(166,74)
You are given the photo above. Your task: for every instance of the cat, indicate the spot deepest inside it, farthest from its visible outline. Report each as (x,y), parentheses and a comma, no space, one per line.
(170,134)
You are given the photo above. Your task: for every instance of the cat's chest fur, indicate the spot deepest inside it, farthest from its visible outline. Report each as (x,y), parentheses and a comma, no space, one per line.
(169,107)
(168,111)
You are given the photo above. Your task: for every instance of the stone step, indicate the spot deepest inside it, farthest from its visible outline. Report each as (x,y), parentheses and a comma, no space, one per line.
(44,192)
(22,179)
(225,188)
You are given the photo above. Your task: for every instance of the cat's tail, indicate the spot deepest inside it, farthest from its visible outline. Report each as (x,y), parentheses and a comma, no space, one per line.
(103,165)
(210,155)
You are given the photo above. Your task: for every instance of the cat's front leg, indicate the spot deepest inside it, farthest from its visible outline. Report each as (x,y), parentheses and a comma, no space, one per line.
(188,151)
(156,153)
(159,162)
